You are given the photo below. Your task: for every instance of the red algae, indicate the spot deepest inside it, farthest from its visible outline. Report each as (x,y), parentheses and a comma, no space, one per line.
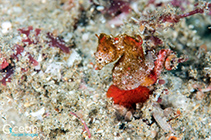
(4,64)
(57,42)
(54,41)
(116,7)
(7,77)
(128,98)
(9,70)
(32,60)
(18,49)
(27,33)
(37,31)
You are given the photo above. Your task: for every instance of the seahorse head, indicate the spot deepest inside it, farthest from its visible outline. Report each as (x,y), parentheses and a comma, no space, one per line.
(106,51)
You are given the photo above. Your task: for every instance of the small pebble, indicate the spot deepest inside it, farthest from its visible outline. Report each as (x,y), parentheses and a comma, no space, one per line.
(199,95)
(100,8)
(129,116)
(153,134)
(85,36)
(161,82)
(6,26)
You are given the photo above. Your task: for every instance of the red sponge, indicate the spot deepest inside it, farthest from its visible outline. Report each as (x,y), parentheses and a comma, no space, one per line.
(128,98)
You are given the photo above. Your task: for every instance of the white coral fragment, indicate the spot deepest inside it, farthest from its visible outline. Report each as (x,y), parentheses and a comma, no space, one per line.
(6,26)
(158,115)
(73,57)
(38,113)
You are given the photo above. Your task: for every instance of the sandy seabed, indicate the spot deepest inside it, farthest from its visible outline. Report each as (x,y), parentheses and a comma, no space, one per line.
(37,102)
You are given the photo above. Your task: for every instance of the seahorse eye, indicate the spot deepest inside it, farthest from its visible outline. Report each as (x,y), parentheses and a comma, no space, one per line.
(100,60)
